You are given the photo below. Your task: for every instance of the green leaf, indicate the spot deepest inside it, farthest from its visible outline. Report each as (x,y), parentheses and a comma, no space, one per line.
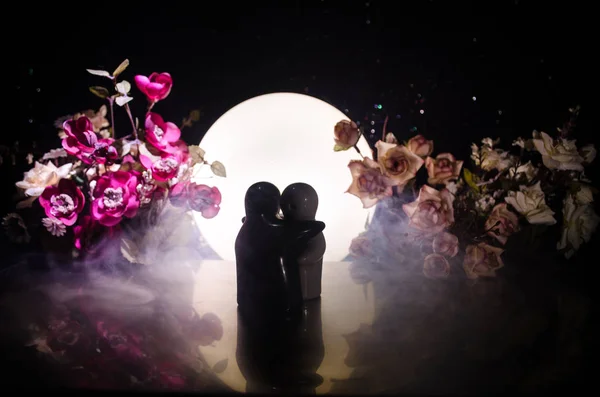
(195,115)
(470,179)
(218,169)
(339,148)
(102,73)
(100,92)
(121,68)
(221,366)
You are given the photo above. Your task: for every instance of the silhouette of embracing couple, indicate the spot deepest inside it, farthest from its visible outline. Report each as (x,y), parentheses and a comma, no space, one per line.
(279,259)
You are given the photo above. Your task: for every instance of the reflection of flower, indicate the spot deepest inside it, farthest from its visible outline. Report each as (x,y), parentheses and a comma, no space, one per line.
(436,266)
(432,211)
(561,156)
(501,223)
(530,202)
(445,244)
(204,199)
(15,228)
(63,202)
(114,198)
(41,176)
(156,87)
(346,135)
(397,162)
(443,168)
(420,146)
(368,182)
(361,245)
(482,260)
(579,222)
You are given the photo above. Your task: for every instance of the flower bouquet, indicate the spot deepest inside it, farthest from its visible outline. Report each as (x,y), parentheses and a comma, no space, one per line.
(117,204)
(464,217)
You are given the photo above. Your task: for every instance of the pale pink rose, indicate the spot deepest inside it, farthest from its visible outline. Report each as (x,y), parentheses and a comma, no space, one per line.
(346,135)
(442,169)
(501,223)
(397,162)
(369,183)
(114,198)
(361,245)
(436,266)
(432,211)
(445,244)
(482,260)
(420,146)
(156,87)
(63,202)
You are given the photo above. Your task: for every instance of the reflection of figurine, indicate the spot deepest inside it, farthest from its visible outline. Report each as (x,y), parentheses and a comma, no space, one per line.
(282,357)
(266,286)
(299,202)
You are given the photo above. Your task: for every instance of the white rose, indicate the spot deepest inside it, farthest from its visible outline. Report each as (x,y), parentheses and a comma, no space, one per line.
(584,195)
(527,169)
(579,222)
(530,203)
(488,158)
(40,176)
(561,156)
(588,152)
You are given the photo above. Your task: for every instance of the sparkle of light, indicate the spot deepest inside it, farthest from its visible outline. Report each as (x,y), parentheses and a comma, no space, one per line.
(282,138)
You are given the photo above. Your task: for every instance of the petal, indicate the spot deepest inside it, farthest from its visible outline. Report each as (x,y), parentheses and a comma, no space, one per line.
(142,82)
(172,132)
(210,212)
(383,147)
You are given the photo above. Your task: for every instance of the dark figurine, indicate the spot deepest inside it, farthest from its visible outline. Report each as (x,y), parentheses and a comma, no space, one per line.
(268,288)
(299,203)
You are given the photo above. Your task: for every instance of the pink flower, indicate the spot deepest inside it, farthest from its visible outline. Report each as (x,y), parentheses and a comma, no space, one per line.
(420,146)
(436,266)
(397,162)
(501,223)
(178,194)
(204,199)
(432,211)
(482,260)
(104,152)
(164,167)
(81,139)
(345,135)
(114,198)
(442,169)
(369,183)
(161,134)
(445,244)
(156,87)
(63,202)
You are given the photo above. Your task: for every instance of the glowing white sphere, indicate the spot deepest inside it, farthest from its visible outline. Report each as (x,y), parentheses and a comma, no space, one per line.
(282,138)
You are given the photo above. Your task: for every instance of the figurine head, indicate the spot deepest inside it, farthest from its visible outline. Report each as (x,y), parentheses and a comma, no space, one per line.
(299,201)
(262,198)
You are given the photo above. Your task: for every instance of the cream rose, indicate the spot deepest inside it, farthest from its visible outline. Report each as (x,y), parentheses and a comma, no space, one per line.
(527,171)
(420,146)
(42,175)
(432,211)
(346,135)
(391,138)
(558,156)
(482,260)
(369,183)
(502,223)
(588,152)
(445,244)
(579,222)
(530,202)
(397,162)
(436,266)
(442,169)
(584,195)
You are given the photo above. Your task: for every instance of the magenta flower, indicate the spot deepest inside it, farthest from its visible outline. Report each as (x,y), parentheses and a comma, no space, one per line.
(63,202)
(156,87)
(161,134)
(204,199)
(104,152)
(164,167)
(81,139)
(114,198)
